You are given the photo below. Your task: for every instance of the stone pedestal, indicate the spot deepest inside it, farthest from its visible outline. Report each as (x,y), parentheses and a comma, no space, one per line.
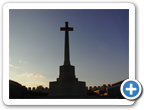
(67,88)
(67,84)
(67,73)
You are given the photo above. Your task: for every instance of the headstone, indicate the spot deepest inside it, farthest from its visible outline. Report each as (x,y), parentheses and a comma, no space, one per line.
(90,88)
(67,84)
(33,89)
(86,88)
(46,89)
(95,88)
(40,89)
(29,88)
(109,85)
(104,87)
(99,88)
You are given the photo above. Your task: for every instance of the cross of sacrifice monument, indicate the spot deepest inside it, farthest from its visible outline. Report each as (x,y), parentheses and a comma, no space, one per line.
(67,84)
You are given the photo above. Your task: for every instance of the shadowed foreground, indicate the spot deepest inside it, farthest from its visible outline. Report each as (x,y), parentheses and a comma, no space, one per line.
(17,91)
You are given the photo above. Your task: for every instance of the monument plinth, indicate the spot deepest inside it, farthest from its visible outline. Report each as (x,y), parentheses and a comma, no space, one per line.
(67,73)
(67,84)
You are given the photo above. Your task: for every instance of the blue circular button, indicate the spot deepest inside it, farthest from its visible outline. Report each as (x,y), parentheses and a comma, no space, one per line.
(131,89)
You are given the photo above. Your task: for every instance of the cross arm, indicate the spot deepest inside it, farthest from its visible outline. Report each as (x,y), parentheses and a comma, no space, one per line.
(64,29)
(70,29)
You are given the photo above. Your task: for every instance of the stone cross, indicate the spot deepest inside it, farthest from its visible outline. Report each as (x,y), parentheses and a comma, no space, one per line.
(66,54)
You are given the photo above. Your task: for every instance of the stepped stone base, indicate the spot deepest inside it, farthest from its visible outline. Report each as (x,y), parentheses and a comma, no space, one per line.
(67,88)
(67,84)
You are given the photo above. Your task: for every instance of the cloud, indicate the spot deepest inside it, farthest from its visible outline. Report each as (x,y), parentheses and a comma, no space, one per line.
(20,61)
(25,62)
(31,75)
(15,66)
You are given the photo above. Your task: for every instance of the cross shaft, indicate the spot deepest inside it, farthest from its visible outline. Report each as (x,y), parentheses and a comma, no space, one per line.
(66,53)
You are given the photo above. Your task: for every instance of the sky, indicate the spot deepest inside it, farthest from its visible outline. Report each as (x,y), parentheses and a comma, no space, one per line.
(99,45)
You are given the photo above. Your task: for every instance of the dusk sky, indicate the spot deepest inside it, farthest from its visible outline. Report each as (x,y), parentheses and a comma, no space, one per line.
(99,45)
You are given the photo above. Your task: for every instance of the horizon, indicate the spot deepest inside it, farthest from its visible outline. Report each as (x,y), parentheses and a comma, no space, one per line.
(101,55)
(48,87)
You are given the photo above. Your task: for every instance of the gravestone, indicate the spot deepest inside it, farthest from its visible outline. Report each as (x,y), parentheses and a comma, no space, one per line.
(99,88)
(33,89)
(40,89)
(67,84)
(109,85)
(95,88)
(90,88)
(29,88)
(103,87)
(86,88)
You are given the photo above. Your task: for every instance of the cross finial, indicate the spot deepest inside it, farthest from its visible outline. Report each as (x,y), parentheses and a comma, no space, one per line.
(66,28)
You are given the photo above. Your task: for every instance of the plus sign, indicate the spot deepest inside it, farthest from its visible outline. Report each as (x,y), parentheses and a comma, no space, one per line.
(131,89)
